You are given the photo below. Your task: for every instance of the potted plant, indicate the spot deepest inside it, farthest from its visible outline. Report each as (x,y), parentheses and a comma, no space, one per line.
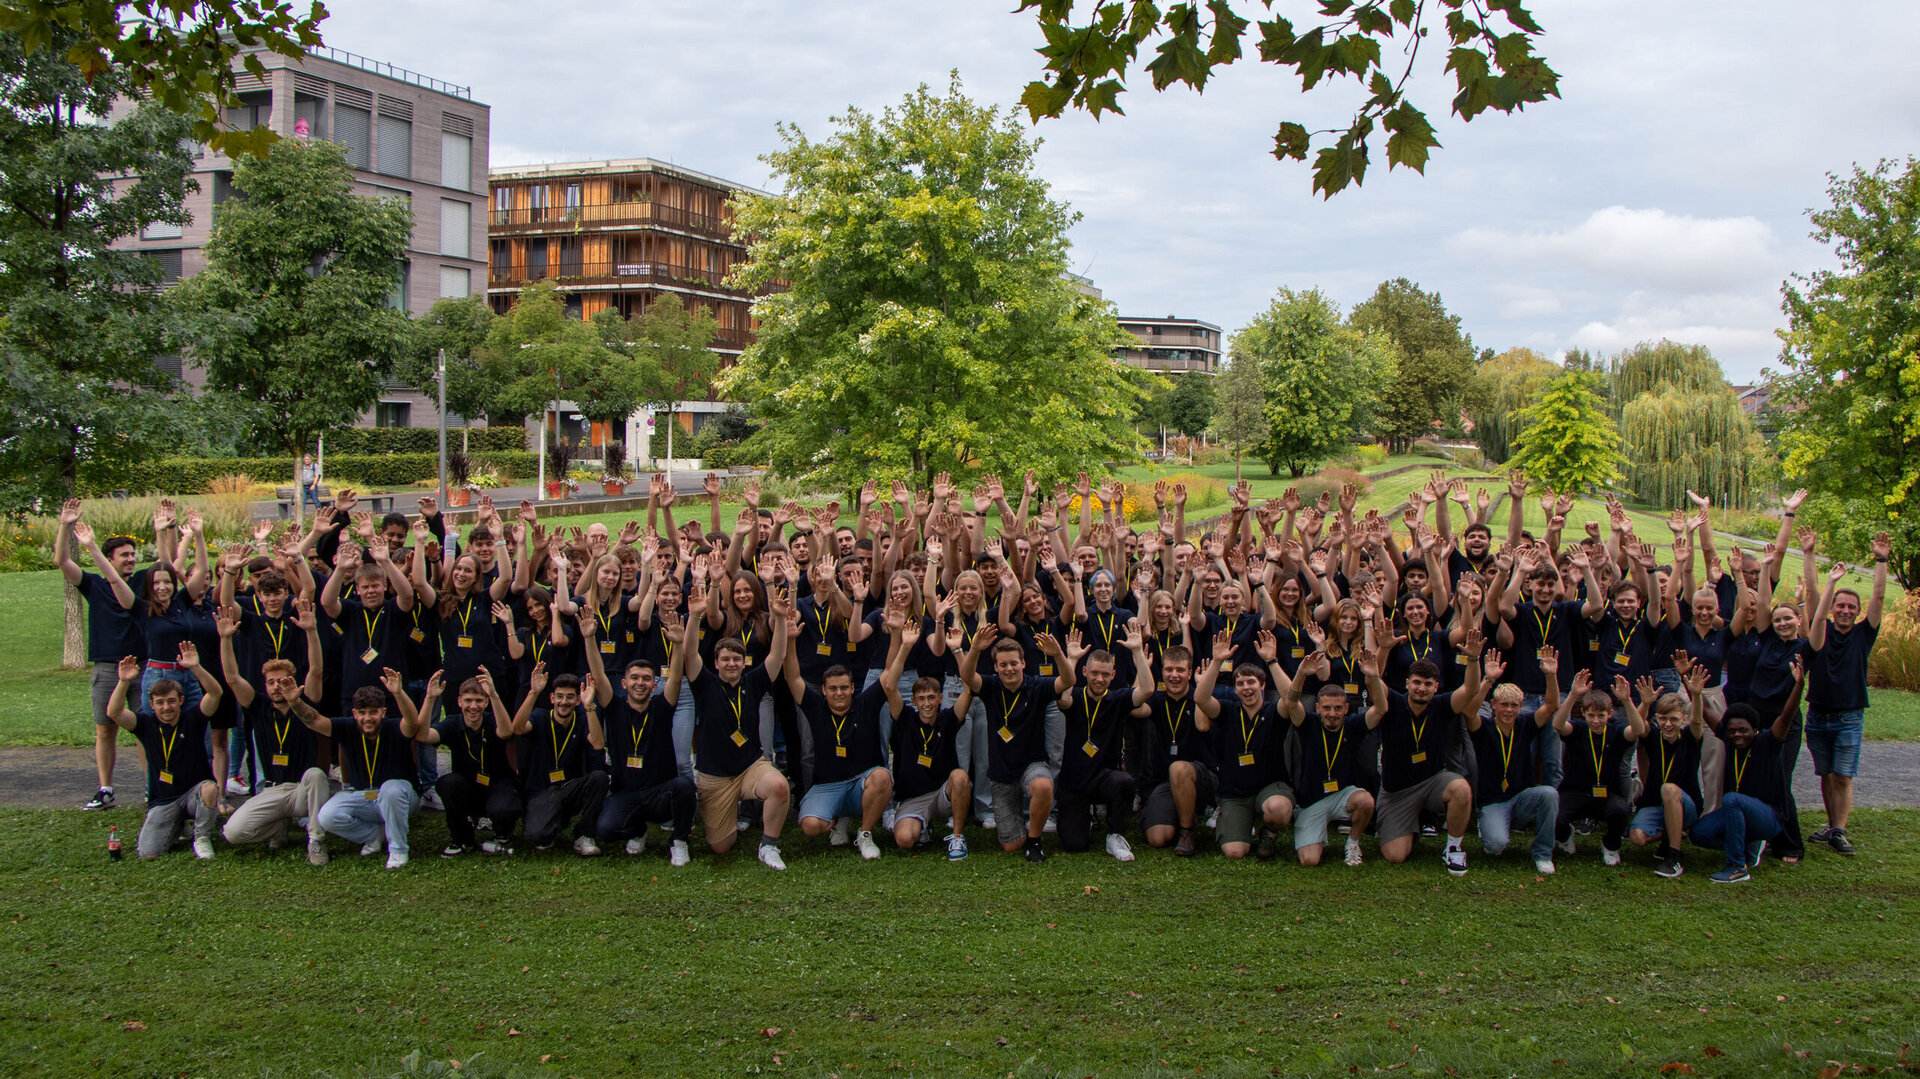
(459,471)
(613,480)
(559,460)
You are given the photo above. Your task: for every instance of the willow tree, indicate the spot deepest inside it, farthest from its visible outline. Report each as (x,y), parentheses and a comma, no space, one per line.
(1684,427)
(1504,385)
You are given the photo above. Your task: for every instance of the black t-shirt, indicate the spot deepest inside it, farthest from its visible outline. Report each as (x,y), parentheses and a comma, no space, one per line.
(1590,759)
(1016,725)
(112,631)
(423,641)
(466,640)
(479,755)
(555,751)
(264,637)
(1244,629)
(640,742)
(1413,748)
(1328,760)
(1676,762)
(1707,649)
(1506,760)
(1093,733)
(372,640)
(822,642)
(284,746)
(1757,771)
(924,754)
(177,760)
(1108,629)
(1175,736)
(1251,748)
(845,745)
(1431,646)
(727,720)
(1621,648)
(1028,635)
(1837,673)
(1294,646)
(388,753)
(1532,629)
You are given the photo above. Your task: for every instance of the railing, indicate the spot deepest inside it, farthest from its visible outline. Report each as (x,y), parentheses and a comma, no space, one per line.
(391,71)
(606,271)
(609,213)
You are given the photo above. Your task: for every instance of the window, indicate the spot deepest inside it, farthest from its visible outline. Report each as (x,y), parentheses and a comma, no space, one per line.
(168,364)
(353,129)
(395,151)
(393,414)
(223,188)
(569,256)
(573,200)
(456,161)
(169,263)
(398,298)
(456,228)
(160,230)
(252,111)
(500,257)
(536,259)
(312,110)
(502,203)
(455,282)
(537,202)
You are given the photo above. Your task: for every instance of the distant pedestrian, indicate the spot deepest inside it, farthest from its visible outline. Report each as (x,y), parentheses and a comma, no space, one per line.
(309,481)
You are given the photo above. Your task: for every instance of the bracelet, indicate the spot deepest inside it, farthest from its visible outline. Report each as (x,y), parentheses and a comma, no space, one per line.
(1879,561)
(1787,514)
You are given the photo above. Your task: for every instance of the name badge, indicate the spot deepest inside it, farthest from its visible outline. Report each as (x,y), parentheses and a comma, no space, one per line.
(851,648)
(1173,749)
(1330,786)
(839,751)
(1246,760)
(1297,653)
(369,655)
(1161,686)
(1046,668)
(823,649)
(606,648)
(1620,659)
(166,777)
(463,642)
(418,635)
(1599,792)
(739,739)
(636,762)
(1418,757)
(280,760)
(1352,688)
(483,779)
(1006,735)
(558,775)
(1090,749)
(925,761)
(1503,784)
(629,636)
(1460,659)
(370,795)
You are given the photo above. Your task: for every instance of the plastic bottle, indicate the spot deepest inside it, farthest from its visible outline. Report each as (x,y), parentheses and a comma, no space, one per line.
(113,843)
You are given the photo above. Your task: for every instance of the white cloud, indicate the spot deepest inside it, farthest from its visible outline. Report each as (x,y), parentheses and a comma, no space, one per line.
(1642,247)
(1729,325)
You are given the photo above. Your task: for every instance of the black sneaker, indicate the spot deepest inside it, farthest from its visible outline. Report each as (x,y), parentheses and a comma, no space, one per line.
(102,799)
(453,850)
(1183,846)
(1668,868)
(1584,826)
(1840,843)
(1428,831)
(1268,846)
(1034,852)
(1824,835)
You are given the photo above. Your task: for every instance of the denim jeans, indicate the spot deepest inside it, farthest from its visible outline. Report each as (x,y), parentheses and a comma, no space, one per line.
(1547,747)
(972,745)
(354,817)
(1739,823)
(1538,806)
(426,757)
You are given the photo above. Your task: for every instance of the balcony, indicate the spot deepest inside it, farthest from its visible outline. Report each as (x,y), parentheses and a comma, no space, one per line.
(632,274)
(605,215)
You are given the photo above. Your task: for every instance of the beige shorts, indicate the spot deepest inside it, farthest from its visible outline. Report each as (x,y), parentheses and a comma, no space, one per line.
(720,796)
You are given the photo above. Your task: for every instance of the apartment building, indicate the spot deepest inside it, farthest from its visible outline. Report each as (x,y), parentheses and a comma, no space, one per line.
(1172,345)
(408,136)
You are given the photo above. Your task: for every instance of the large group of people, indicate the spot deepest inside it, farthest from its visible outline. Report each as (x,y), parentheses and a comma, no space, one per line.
(1294,671)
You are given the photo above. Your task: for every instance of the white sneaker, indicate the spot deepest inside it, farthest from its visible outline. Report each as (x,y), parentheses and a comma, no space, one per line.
(1213,818)
(887,818)
(770,857)
(987,822)
(742,824)
(373,846)
(1609,857)
(1456,860)
(1354,856)
(637,844)
(864,842)
(431,802)
(1118,846)
(677,854)
(1543,866)
(1565,846)
(203,848)
(396,860)
(483,824)
(1052,825)
(586,847)
(842,832)
(235,785)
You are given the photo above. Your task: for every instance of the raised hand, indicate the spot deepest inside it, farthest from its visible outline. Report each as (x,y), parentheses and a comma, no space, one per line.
(437,683)
(503,613)
(537,681)
(1792,502)
(429,505)
(83,533)
(1882,546)
(129,669)
(303,614)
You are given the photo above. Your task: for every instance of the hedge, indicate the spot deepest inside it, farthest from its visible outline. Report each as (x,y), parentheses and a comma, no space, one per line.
(358,441)
(188,475)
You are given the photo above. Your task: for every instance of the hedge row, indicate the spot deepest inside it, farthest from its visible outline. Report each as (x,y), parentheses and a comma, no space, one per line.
(359,441)
(189,475)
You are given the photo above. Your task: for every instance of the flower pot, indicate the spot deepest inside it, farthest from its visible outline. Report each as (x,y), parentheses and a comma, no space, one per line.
(459,496)
(612,488)
(556,490)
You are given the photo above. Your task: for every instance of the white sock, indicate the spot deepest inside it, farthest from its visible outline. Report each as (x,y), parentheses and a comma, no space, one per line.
(1453,841)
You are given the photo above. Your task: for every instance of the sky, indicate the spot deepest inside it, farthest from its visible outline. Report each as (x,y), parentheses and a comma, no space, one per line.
(1664,194)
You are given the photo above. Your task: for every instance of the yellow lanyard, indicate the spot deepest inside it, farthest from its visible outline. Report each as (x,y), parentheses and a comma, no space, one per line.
(1546,631)
(639,732)
(476,747)
(1666,764)
(1006,713)
(1597,752)
(606,624)
(1233,624)
(371,623)
(466,613)
(1346,665)
(1740,769)
(1418,653)
(280,733)
(839,725)
(538,641)
(928,736)
(1093,711)
(559,744)
(1174,721)
(275,638)
(1626,638)
(823,619)
(746,635)
(1247,733)
(1506,751)
(738,704)
(1106,628)
(166,748)
(1419,730)
(366,754)
(1338,744)
(965,637)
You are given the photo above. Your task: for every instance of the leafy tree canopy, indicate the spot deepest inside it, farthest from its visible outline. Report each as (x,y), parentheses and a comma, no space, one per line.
(1435,371)
(1569,443)
(1319,376)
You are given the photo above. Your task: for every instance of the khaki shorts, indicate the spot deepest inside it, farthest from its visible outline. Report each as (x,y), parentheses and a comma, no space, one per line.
(1239,817)
(720,796)
(1400,810)
(929,809)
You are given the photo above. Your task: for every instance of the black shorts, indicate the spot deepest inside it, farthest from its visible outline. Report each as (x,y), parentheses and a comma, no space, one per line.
(1159,809)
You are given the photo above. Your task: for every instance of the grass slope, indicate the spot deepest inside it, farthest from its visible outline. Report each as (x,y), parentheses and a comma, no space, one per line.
(256,964)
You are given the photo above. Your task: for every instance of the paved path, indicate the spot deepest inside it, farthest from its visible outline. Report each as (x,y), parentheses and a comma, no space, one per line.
(61,777)
(685,482)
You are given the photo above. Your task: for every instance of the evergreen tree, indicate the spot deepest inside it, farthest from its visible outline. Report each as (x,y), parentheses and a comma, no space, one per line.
(1568,442)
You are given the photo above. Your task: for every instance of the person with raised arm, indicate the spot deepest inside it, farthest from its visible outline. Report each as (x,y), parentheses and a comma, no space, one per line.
(929,782)
(292,784)
(482,783)
(1094,713)
(728,734)
(1327,775)
(180,783)
(562,777)
(1256,791)
(850,775)
(1756,784)
(374,622)
(1019,769)
(1416,728)
(1508,795)
(375,804)
(1594,784)
(1669,804)
(1838,648)
(112,631)
(1181,770)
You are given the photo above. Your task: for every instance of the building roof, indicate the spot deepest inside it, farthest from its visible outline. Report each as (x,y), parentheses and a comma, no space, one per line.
(1170,319)
(615,167)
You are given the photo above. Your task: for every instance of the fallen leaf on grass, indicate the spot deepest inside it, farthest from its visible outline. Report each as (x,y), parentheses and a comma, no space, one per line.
(512,1033)
(1679,1067)
(1092,889)
(1714,1050)
(768,1032)
(1002,1040)
(133,1024)
(544,1057)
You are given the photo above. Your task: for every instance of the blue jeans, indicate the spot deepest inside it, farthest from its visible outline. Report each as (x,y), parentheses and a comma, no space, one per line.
(1739,823)
(1834,738)
(972,746)
(354,817)
(1547,747)
(426,757)
(189,685)
(310,494)
(683,731)
(1538,806)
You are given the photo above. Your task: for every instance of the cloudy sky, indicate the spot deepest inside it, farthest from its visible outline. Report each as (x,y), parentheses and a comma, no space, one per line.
(1664,194)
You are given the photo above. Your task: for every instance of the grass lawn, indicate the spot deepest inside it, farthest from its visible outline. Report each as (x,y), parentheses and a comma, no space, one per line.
(550,965)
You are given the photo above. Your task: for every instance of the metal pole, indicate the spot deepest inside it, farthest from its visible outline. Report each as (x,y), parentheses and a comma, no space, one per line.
(540,484)
(442,378)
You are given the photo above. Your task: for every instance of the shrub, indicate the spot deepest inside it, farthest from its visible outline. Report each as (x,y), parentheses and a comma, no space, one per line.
(1895,661)
(180,475)
(1372,455)
(368,441)
(1423,447)
(1746,523)
(613,459)
(459,469)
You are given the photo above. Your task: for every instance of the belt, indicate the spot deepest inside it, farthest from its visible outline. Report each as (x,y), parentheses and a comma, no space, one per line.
(160,666)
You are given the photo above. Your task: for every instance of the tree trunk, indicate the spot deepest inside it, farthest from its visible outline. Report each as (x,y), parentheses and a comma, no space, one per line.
(1296,470)
(73,649)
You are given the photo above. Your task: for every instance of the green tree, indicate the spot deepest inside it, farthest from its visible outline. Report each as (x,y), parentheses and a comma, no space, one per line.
(179,53)
(1568,442)
(678,338)
(928,325)
(537,354)
(1490,54)
(1319,377)
(1240,418)
(1852,367)
(1190,405)
(460,326)
(1435,374)
(293,317)
(1503,386)
(81,322)
(1684,427)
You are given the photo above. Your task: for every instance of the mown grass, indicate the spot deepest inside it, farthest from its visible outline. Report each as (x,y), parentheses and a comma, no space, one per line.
(552,965)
